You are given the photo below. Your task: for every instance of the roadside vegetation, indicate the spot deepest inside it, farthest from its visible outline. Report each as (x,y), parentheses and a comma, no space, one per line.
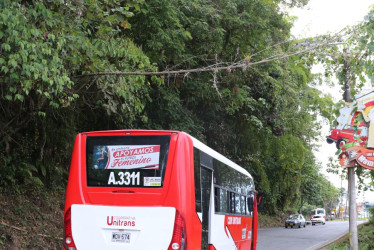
(68,67)
(365,237)
(32,220)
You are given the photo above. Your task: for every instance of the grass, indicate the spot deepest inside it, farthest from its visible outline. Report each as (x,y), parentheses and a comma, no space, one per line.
(365,239)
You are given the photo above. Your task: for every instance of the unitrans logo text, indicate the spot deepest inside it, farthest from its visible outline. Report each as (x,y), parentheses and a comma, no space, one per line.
(125,221)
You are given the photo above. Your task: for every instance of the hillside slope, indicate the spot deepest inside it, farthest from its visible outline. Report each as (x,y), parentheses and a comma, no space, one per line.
(31,221)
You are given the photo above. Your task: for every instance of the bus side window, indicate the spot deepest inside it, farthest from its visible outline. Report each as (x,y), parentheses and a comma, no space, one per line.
(220,198)
(247,206)
(197,180)
(228,203)
(224,201)
(216,199)
(242,204)
(250,202)
(232,203)
(237,204)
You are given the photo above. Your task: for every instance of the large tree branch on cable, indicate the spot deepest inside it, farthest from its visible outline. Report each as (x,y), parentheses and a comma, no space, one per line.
(243,64)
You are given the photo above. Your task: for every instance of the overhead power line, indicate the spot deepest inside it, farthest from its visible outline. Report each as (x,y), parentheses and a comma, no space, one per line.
(228,66)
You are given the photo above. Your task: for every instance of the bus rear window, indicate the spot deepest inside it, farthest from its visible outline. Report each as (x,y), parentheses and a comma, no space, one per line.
(126,161)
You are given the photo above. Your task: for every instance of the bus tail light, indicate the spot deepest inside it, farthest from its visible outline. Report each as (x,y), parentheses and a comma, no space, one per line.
(68,236)
(178,241)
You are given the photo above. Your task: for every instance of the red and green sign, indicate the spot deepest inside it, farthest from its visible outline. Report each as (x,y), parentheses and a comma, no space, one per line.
(363,156)
(354,133)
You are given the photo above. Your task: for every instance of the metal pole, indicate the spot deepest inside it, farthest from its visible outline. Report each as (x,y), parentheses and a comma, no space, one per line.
(353,238)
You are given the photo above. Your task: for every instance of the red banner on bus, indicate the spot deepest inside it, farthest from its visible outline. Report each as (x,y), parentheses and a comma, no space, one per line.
(127,157)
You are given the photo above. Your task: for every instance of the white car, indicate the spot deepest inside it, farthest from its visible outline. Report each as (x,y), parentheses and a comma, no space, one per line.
(318,219)
(296,220)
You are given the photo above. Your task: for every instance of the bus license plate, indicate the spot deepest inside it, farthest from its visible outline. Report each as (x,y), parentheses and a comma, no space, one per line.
(121,237)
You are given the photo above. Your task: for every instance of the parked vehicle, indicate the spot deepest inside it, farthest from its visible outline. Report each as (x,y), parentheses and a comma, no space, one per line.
(318,219)
(296,220)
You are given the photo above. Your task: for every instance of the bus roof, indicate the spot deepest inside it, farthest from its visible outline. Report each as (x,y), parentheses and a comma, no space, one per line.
(199,145)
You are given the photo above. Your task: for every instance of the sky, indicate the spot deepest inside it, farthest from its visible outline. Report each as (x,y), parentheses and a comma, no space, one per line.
(323,16)
(327,16)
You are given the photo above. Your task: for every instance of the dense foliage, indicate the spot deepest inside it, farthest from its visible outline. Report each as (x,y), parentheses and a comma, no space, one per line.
(263,117)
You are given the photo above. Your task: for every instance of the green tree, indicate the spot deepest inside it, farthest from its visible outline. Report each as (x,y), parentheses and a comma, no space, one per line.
(241,113)
(45,47)
(59,64)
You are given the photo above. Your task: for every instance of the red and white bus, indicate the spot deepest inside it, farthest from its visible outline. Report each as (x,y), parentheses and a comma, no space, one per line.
(140,189)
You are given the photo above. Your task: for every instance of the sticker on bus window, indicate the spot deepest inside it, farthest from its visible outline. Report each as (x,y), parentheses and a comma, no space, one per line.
(124,178)
(152,181)
(126,157)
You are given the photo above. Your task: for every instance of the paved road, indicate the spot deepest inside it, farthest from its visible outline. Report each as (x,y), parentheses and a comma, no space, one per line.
(310,237)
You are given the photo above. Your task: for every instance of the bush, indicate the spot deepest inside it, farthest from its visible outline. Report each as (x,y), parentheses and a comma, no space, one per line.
(371,219)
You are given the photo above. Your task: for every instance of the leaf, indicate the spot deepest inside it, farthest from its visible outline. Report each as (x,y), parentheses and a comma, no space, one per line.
(4,69)
(43,170)
(6,47)
(19,97)
(41,114)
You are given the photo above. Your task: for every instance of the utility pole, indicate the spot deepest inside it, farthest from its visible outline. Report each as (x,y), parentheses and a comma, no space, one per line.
(353,237)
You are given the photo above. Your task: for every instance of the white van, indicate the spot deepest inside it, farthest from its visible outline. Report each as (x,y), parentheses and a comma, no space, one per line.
(318,211)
